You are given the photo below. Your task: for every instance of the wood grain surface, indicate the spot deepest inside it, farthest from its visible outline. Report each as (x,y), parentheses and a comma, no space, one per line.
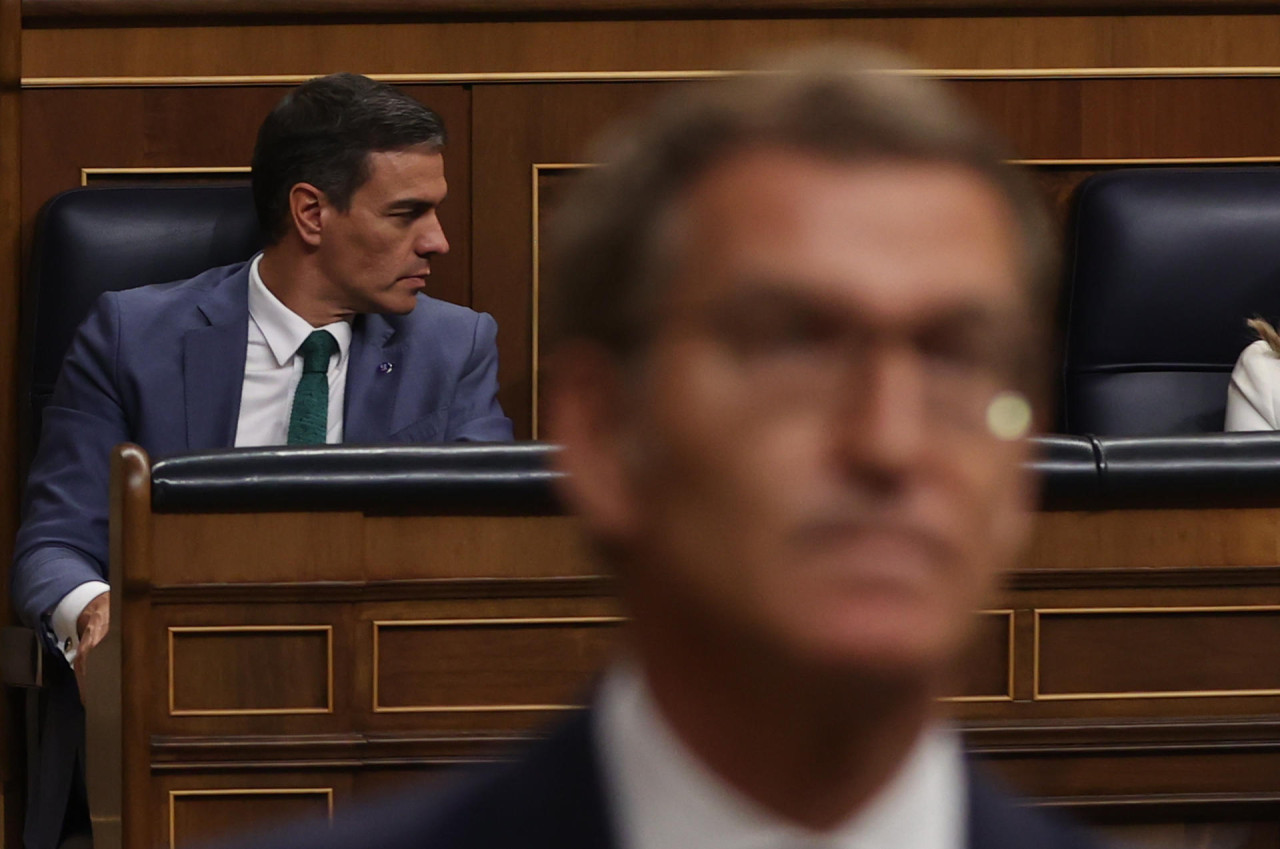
(72,10)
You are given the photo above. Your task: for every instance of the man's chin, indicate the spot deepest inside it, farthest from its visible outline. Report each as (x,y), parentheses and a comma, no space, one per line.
(879,644)
(398,306)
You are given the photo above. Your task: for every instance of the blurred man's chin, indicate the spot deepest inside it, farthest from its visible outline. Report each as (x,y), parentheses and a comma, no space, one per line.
(893,641)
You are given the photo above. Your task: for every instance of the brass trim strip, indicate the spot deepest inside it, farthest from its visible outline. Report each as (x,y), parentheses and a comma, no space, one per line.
(1037,613)
(86,173)
(1166,160)
(379,624)
(207,629)
(458,78)
(242,791)
(463,77)
(1008,696)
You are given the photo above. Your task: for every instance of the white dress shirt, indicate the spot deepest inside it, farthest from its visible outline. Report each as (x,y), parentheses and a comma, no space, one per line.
(272,369)
(1255,389)
(662,796)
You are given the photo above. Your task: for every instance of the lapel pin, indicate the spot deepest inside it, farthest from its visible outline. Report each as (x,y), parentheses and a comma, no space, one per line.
(385,368)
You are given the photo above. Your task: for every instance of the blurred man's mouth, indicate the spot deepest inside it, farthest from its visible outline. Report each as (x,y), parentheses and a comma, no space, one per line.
(875,552)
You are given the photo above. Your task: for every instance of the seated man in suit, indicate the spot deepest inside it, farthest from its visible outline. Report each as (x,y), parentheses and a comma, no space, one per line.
(326,336)
(802,320)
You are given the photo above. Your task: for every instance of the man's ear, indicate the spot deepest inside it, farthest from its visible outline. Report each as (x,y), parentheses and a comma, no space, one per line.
(586,412)
(306,208)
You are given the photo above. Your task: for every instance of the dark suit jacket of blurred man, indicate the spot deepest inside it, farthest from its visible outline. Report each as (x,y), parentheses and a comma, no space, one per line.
(554,798)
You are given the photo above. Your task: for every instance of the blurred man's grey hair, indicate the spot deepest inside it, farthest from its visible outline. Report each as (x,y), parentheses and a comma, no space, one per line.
(613,244)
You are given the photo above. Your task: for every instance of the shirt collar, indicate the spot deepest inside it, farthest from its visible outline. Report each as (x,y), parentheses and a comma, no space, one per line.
(666,797)
(284,329)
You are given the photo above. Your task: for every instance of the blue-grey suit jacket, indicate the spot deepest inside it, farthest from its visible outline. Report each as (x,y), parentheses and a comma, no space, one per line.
(163,366)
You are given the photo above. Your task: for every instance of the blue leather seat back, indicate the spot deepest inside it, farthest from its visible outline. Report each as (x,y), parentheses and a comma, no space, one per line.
(1165,266)
(90,241)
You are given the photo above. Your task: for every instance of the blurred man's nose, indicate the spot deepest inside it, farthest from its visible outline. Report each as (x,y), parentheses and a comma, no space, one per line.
(880,425)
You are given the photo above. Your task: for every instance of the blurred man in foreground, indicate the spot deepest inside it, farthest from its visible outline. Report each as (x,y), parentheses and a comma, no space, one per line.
(802,324)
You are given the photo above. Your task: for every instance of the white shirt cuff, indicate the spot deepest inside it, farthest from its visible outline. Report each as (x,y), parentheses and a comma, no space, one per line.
(63,620)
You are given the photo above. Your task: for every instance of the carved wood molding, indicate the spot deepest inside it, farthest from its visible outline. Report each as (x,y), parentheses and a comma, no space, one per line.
(54,12)
(379,591)
(990,740)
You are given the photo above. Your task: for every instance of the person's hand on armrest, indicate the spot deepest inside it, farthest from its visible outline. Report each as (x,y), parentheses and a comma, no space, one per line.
(79,623)
(91,627)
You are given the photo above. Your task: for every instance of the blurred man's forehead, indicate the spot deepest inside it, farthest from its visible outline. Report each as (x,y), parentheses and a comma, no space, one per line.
(889,235)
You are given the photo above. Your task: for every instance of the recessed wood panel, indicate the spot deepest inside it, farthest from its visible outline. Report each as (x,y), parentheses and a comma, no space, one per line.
(228,547)
(1141,539)
(240,670)
(986,671)
(475,547)
(1147,653)
(469,665)
(198,817)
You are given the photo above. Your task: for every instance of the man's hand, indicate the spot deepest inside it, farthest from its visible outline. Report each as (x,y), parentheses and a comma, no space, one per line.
(91,626)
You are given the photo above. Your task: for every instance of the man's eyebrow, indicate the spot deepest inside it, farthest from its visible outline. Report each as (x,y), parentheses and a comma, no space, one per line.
(765,294)
(971,314)
(413,204)
(773,292)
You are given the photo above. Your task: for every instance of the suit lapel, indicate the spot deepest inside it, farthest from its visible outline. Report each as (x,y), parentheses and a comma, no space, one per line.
(996,821)
(374,372)
(560,794)
(213,364)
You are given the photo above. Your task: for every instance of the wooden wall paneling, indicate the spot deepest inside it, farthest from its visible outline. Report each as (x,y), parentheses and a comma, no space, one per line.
(453,658)
(1232,770)
(1068,129)
(484,547)
(640,44)
(200,808)
(227,548)
(1132,118)
(516,127)
(175,127)
(138,128)
(1245,831)
(199,816)
(486,666)
(987,669)
(252,668)
(1110,653)
(1158,654)
(72,12)
(12,755)
(1140,539)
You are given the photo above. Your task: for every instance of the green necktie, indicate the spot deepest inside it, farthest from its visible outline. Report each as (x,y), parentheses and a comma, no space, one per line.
(309,419)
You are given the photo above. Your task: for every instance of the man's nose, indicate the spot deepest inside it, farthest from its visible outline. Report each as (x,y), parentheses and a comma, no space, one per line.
(431,239)
(880,422)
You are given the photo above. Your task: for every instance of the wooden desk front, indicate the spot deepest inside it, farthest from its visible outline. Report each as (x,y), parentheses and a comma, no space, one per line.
(279,664)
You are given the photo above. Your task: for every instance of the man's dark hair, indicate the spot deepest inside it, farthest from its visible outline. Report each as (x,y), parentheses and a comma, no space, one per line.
(322,133)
